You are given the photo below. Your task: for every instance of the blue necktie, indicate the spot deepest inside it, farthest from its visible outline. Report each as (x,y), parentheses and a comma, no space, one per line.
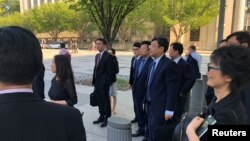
(141,66)
(151,75)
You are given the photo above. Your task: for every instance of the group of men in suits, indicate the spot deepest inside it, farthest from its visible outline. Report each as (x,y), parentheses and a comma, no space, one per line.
(160,85)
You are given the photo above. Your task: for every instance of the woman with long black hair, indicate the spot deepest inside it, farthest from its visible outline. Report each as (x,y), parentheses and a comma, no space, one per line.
(62,90)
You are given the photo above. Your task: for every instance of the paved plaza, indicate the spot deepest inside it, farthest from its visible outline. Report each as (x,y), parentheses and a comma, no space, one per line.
(83,64)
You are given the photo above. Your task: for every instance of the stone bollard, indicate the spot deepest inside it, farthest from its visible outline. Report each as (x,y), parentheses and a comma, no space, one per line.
(119,129)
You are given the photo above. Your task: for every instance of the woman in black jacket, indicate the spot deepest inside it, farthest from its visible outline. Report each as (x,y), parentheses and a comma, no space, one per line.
(62,90)
(228,74)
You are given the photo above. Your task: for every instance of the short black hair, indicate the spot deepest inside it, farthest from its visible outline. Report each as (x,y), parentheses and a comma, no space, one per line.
(233,61)
(146,43)
(241,36)
(193,47)
(177,46)
(113,51)
(20,55)
(102,40)
(163,42)
(62,45)
(223,40)
(137,44)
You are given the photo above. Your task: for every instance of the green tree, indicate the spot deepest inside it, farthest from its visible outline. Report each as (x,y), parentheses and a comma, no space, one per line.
(2,7)
(82,24)
(12,19)
(183,15)
(9,6)
(51,18)
(109,14)
(134,21)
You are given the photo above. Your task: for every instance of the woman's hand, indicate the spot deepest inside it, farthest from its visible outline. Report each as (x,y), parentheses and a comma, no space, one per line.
(191,128)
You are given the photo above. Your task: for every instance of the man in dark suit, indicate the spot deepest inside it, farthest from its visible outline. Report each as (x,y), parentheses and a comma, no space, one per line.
(186,78)
(162,90)
(134,62)
(194,66)
(102,80)
(242,38)
(139,87)
(24,115)
(38,83)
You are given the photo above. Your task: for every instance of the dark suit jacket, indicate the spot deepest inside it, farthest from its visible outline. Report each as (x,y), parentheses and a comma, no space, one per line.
(26,117)
(131,75)
(187,77)
(102,76)
(38,83)
(163,88)
(194,65)
(245,97)
(140,82)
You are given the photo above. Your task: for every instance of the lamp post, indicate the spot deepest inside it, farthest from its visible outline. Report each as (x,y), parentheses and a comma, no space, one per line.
(221,21)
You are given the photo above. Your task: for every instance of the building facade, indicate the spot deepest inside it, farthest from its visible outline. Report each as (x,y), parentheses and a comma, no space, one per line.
(206,37)
(26,5)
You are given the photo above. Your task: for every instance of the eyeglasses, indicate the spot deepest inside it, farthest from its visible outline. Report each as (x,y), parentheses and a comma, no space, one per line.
(209,67)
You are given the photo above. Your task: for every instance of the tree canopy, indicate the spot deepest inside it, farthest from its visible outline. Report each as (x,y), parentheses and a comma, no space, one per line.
(51,18)
(109,15)
(9,6)
(183,15)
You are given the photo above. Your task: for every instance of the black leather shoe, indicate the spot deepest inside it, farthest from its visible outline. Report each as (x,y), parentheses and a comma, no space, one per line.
(137,134)
(134,120)
(104,124)
(145,139)
(99,120)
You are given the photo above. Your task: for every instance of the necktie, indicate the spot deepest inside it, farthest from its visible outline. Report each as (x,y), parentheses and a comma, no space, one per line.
(134,63)
(136,67)
(151,75)
(98,59)
(97,62)
(141,66)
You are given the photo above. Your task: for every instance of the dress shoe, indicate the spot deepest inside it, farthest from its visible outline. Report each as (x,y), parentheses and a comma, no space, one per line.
(145,139)
(138,134)
(104,124)
(99,120)
(134,120)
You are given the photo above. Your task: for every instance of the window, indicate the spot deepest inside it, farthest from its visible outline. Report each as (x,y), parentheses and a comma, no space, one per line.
(195,34)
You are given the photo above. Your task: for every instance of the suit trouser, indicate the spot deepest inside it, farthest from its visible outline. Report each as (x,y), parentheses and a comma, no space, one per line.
(140,113)
(181,108)
(134,102)
(153,122)
(102,96)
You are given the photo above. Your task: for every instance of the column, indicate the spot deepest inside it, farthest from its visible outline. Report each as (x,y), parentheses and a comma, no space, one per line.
(25,5)
(239,15)
(38,3)
(32,4)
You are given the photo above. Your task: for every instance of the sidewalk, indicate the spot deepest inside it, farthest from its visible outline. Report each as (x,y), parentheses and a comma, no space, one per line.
(83,63)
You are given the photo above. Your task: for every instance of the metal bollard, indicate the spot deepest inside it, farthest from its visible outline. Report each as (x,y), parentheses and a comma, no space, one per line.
(119,129)
(197,97)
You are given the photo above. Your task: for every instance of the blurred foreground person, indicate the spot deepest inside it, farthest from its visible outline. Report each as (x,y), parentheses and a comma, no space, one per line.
(23,114)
